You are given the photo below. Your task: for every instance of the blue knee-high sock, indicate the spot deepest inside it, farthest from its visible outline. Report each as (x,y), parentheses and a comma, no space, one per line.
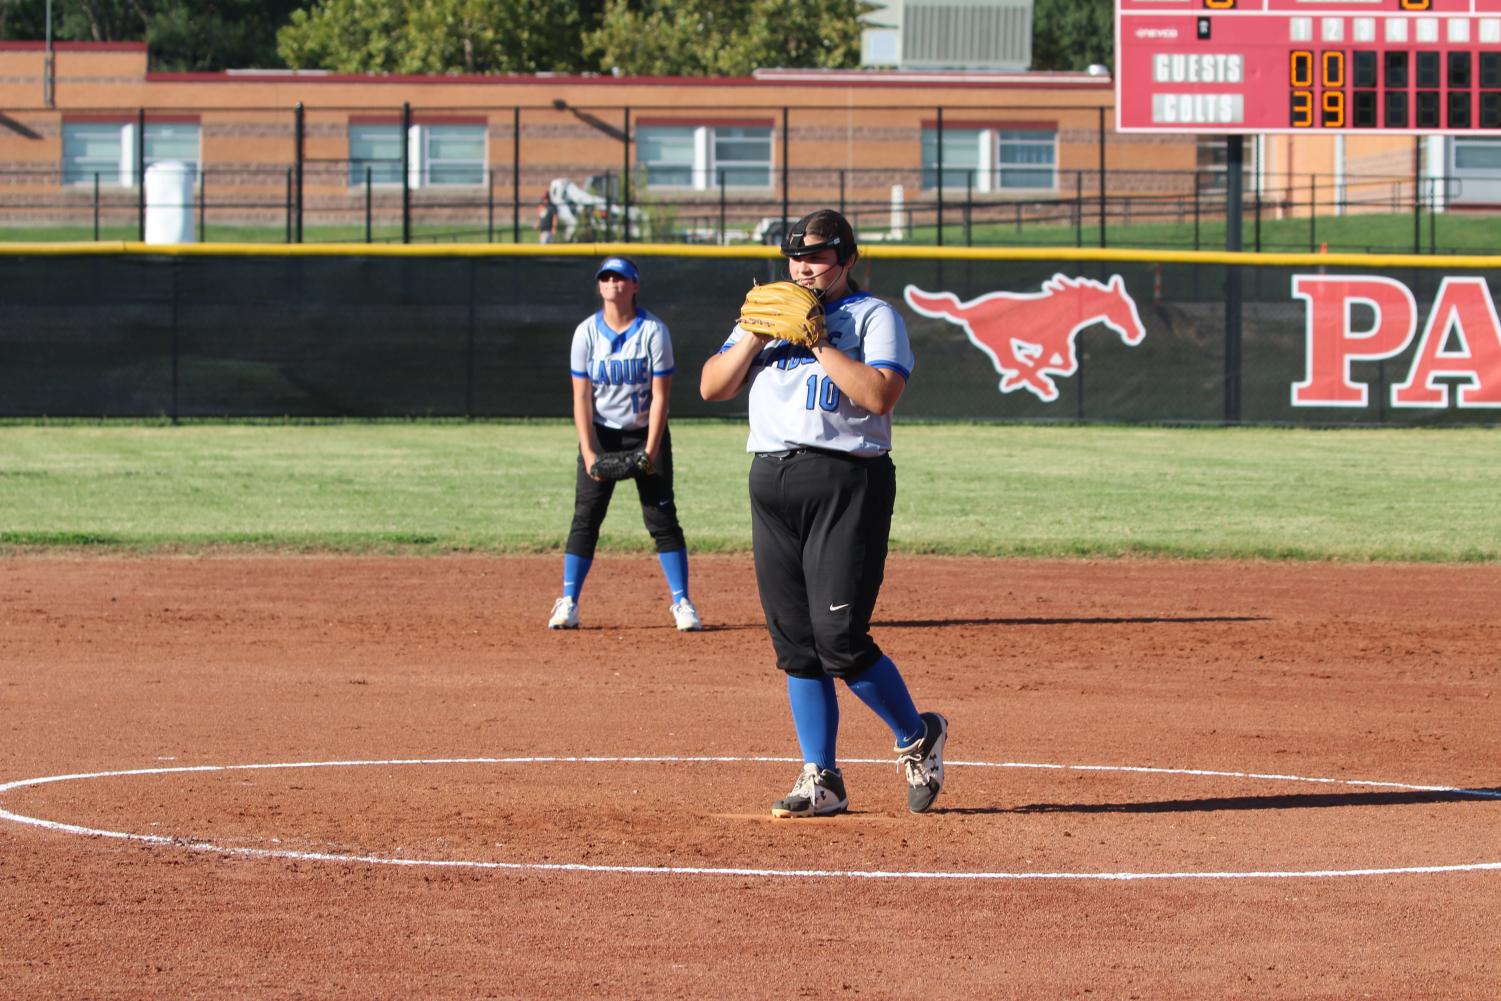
(675,567)
(881,687)
(815,714)
(575,569)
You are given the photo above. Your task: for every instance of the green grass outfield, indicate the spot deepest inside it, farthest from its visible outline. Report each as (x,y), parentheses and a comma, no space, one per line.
(1356,494)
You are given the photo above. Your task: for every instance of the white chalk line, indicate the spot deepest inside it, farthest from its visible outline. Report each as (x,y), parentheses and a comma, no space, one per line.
(579,867)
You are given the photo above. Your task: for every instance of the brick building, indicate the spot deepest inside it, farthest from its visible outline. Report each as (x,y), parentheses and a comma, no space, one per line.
(698,152)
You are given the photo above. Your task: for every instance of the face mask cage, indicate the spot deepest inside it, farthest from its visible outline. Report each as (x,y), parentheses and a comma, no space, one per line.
(795,246)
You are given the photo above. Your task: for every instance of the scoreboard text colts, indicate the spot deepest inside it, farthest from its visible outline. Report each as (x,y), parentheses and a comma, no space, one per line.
(1254,66)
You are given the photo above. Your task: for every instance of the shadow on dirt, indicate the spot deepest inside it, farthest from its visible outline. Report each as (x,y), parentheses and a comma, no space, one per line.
(1297,801)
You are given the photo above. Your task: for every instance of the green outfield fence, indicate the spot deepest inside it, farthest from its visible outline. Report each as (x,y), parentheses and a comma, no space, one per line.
(481,330)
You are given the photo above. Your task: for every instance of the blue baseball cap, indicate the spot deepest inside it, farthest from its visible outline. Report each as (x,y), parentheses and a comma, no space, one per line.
(618,266)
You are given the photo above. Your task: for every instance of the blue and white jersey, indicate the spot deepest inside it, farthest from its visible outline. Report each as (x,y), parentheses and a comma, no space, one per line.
(621,366)
(794,403)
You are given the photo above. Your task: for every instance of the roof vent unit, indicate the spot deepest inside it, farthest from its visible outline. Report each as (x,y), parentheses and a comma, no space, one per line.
(949,35)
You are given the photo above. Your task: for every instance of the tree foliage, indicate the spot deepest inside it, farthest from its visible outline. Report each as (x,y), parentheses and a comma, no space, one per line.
(438,36)
(224,34)
(725,37)
(636,37)
(181,35)
(1072,34)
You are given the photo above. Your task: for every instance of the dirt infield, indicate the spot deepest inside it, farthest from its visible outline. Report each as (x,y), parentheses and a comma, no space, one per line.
(1210,696)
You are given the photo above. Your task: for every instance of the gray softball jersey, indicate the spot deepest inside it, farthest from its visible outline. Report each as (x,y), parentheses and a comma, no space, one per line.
(794,403)
(621,366)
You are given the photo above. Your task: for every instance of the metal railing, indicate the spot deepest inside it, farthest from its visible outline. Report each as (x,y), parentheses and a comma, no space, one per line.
(377,201)
(266,205)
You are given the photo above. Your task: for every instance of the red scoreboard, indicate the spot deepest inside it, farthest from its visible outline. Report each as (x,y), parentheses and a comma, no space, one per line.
(1257,66)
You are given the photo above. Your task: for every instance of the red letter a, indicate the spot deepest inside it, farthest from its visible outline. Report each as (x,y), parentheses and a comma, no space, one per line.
(1464,306)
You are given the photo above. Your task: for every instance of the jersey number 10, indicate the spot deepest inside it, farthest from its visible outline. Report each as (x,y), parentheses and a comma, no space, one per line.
(827,399)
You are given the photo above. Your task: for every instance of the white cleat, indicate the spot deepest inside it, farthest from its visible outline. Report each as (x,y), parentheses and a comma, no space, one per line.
(686,617)
(565,614)
(817,793)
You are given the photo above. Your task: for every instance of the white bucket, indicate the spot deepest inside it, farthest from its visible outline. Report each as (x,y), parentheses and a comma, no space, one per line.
(169,202)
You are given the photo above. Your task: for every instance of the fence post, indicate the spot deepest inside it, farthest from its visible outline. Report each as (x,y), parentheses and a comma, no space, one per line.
(938,145)
(625,177)
(786,174)
(369,203)
(1433,184)
(96,206)
(140,172)
(1078,208)
(490,206)
(1417,194)
(289,205)
(609,212)
(969,199)
(298,117)
(722,238)
(406,172)
(1313,212)
(1103,204)
(202,204)
(1196,210)
(516,174)
(1258,218)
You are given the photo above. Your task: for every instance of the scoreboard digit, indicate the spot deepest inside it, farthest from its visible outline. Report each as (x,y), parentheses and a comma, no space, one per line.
(1260,66)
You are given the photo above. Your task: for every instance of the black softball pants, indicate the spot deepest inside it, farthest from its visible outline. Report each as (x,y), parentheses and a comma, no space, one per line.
(820,525)
(591,498)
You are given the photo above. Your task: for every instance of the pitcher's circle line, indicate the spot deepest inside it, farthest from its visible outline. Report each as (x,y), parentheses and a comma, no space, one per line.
(277,853)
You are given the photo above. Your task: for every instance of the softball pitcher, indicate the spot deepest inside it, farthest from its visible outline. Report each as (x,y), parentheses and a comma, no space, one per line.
(822,486)
(621,365)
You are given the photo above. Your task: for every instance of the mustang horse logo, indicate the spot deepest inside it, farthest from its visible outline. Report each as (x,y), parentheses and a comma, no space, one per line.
(1030,336)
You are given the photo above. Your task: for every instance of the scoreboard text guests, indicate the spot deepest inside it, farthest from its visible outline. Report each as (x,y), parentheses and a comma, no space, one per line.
(1256,66)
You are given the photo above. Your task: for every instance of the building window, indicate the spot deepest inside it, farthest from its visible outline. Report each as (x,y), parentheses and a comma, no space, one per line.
(374,154)
(452,155)
(665,156)
(964,162)
(440,155)
(743,155)
(1474,174)
(984,159)
(1471,153)
(1027,158)
(96,149)
(107,150)
(695,156)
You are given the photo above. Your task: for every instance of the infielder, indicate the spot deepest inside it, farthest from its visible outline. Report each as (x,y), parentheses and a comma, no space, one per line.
(621,363)
(822,486)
